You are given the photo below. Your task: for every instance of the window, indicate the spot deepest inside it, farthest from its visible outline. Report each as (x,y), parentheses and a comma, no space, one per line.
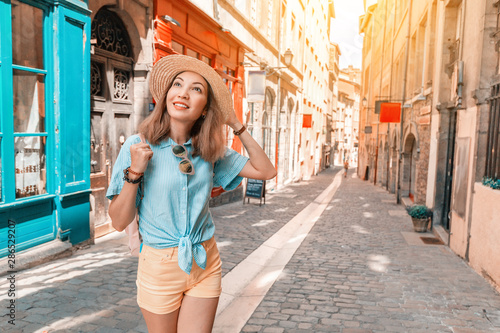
(206,60)
(266,125)
(177,47)
(26,122)
(492,152)
(192,53)
(253,12)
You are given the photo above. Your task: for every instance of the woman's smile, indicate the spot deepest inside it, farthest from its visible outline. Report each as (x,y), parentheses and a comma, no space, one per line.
(180,105)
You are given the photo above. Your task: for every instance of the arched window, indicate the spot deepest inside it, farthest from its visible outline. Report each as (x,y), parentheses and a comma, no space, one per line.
(266,124)
(110,34)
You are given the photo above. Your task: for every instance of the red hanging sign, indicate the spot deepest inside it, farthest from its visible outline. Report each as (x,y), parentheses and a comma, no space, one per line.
(307,121)
(390,112)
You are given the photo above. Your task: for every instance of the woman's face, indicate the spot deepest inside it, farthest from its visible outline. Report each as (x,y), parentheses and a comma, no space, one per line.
(187,98)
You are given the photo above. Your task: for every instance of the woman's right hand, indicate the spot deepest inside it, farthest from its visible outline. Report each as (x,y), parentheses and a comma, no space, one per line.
(140,154)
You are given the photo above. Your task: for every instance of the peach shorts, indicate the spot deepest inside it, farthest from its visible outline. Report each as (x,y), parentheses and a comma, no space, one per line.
(161,284)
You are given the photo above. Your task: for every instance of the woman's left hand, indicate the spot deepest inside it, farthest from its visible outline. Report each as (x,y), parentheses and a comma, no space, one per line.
(233,121)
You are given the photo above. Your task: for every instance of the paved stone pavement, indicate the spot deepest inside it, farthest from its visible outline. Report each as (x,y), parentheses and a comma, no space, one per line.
(94,290)
(354,271)
(240,229)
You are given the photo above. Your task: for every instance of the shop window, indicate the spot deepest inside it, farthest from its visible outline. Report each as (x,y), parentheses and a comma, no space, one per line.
(27,46)
(29,101)
(30,166)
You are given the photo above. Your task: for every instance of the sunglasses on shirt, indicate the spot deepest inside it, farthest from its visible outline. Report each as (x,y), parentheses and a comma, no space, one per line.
(185,165)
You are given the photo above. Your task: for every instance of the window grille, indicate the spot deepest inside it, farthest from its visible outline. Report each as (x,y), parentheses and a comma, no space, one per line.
(97,79)
(121,79)
(110,33)
(493,153)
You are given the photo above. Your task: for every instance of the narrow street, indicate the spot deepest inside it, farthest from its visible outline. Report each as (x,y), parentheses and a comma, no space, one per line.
(361,268)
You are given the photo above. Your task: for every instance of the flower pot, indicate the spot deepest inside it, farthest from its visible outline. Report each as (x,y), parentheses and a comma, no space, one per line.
(420,225)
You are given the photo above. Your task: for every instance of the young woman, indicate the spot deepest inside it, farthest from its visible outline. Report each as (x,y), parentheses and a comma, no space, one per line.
(169,175)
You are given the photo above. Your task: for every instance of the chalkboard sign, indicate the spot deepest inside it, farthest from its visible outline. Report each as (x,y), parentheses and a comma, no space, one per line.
(255,189)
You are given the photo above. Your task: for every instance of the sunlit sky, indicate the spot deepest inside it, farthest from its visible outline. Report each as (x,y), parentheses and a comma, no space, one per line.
(345,29)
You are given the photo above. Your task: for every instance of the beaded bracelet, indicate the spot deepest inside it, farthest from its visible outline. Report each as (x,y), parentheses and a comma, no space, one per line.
(131,181)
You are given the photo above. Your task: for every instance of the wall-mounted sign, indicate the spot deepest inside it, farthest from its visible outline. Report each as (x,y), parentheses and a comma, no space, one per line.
(390,112)
(256,90)
(307,121)
(377,106)
(368,129)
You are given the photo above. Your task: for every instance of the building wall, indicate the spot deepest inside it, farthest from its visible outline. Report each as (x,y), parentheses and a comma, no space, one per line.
(269,29)
(446,89)
(315,84)
(485,229)
(473,224)
(386,26)
(347,121)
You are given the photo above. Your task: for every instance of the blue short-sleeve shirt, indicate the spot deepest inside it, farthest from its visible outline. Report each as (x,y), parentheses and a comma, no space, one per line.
(174,208)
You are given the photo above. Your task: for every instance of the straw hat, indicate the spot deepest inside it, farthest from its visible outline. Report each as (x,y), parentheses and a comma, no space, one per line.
(167,68)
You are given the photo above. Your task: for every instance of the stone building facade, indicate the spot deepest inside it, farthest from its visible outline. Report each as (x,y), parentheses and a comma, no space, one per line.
(397,68)
(347,117)
(444,71)
(270,30)
(464,136)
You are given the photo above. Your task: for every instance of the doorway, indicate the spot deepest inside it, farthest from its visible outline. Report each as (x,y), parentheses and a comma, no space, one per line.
(409,167)
(111,106)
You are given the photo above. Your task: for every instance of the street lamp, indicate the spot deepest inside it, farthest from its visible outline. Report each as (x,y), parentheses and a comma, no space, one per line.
(365,102)
(288,55)
(170,19)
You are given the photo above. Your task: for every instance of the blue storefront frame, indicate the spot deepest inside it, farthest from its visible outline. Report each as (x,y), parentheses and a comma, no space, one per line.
(63,212)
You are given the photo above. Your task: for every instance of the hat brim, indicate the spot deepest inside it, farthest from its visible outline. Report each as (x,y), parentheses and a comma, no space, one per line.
(168,67)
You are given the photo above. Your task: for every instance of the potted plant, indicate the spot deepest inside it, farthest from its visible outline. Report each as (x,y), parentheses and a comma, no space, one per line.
(420,216)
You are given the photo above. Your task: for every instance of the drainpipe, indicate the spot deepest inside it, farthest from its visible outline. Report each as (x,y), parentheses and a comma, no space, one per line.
(390,89)
(380,94)
(216,10)
(460,86)
(367,109)
(405,77)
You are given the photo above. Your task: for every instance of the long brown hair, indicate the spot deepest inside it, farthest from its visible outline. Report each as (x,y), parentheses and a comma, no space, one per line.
(207,135)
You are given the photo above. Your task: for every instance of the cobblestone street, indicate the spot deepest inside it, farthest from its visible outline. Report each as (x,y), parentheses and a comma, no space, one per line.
(356,272)
(360,269)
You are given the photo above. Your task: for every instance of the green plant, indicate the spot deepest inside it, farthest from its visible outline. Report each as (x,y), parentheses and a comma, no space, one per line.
(491,182)
(419,211)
